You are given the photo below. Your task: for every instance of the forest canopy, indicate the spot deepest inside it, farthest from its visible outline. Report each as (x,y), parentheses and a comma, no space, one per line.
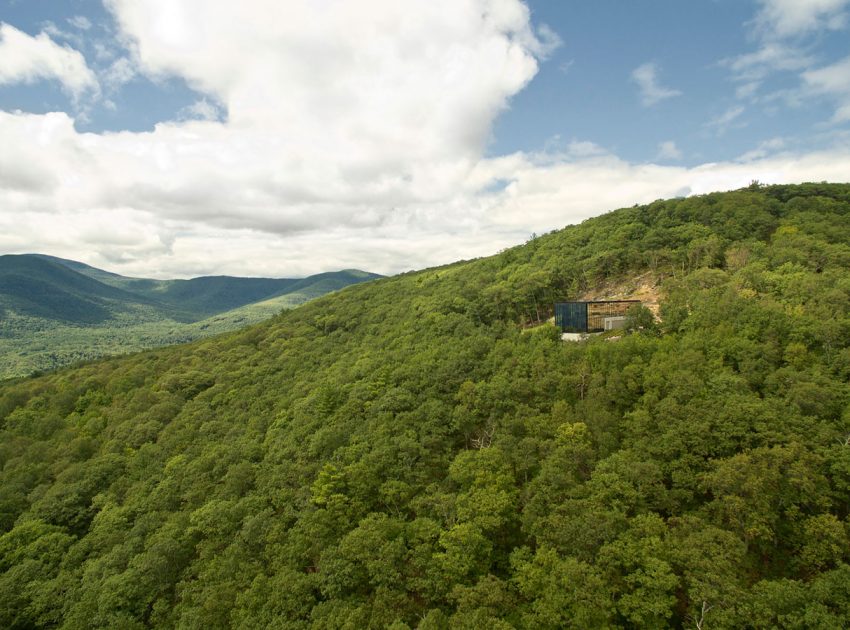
(412,452)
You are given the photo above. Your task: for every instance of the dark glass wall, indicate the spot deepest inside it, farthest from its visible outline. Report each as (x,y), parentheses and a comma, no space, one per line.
(571,316)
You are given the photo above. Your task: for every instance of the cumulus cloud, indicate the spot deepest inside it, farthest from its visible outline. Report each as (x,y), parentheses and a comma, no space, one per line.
(651,91)
(375,94)
(25,59)
(339,115)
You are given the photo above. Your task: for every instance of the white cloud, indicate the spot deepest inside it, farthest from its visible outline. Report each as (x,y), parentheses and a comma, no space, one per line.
(26,59)
(669,151)
(375,94)
(764,149)
(80,22)
(119,72)
(747,90)
(548,41)
(651,91)
(549,193)
(833,81)
(787,32)
(790,18)
(842,114)
(103,51)
(771,57)
(57,33)
(722,122)
(584,149)
(200,110)
(341,117)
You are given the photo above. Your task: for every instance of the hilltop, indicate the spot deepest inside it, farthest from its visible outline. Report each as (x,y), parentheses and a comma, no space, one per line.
(55,311)
(408,453)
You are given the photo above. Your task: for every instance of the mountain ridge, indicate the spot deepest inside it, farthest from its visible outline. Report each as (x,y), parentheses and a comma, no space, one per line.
(78,307)
(209,294)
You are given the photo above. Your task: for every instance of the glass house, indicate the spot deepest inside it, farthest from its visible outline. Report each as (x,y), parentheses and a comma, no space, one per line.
(590,317)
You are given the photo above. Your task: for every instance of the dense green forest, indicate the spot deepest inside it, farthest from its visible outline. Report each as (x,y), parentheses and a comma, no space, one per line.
(54,312)
(412,453)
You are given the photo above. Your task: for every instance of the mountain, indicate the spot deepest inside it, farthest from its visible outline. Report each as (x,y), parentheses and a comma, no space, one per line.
(425,451)
(32,286)
(208,295)
(55,311)
(106,277)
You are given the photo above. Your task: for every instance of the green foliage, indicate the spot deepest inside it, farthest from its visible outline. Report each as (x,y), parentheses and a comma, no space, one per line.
(640,318)
(410,453)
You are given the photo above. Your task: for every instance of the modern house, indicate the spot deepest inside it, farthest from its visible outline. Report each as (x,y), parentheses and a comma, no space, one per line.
(592,317)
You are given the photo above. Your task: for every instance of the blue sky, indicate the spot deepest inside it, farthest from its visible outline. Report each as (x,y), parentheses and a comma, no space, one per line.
(293,137)
(585,92)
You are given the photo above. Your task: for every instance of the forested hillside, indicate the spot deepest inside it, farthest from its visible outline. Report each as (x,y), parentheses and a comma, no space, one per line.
(409,453)
(54,312)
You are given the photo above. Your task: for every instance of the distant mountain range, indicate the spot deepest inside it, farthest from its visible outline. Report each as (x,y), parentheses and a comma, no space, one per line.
(55,311)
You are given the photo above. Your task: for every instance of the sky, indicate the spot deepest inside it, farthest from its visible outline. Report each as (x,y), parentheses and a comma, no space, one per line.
(176,138)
